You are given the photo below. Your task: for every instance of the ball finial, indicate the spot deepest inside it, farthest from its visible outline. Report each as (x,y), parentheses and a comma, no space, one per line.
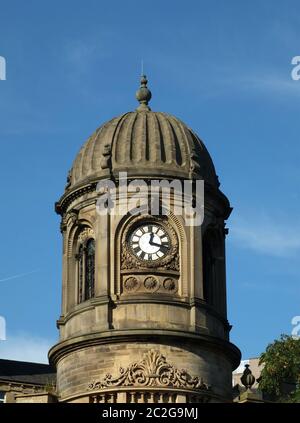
(143,94)
(247,378)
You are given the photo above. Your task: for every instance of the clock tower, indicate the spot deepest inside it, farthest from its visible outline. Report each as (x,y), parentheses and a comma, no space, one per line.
(143,314)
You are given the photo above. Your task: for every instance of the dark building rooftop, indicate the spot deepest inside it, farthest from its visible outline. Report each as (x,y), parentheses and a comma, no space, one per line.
(27,373)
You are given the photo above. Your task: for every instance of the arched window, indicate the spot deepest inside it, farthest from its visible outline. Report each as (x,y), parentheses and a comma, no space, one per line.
(86,270)
(80,273)
(89,269)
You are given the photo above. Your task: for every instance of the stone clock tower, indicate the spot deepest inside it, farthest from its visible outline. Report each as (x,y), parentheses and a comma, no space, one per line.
(144,296)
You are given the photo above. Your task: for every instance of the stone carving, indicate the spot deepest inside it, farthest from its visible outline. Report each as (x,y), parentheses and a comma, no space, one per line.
(128,261)
(72,216)
(63,225)
(169,285)
(69,179)
(153,371)
(106,156)
(69,218)
(85,234)
(131,284)
(151,284)
(195,165)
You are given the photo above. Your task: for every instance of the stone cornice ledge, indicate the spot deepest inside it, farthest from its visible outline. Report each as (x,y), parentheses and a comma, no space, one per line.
(163,336)
(132,299)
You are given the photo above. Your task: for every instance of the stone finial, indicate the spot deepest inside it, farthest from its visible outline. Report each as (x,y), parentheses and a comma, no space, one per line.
(143,94)
(247,377)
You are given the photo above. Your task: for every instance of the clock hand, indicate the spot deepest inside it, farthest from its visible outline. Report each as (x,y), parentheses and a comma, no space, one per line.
(155,244)
(161,246)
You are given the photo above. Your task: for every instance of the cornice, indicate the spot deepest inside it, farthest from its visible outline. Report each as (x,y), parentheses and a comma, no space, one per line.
(70,195)
(164,336)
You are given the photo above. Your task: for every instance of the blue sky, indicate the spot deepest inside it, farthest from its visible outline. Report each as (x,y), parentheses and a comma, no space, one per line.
(223,67)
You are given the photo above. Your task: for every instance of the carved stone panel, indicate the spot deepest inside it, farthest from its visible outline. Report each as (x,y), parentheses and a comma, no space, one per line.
(141,283)
(152,371)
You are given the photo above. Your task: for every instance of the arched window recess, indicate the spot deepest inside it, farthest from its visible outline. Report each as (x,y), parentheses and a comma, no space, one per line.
(86,269)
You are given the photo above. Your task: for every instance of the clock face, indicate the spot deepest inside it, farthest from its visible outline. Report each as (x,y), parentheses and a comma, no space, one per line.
(150,241)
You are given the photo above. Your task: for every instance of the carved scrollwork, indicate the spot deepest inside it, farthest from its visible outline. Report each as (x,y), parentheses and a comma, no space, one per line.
(69,218)
(85,234)
(152,371)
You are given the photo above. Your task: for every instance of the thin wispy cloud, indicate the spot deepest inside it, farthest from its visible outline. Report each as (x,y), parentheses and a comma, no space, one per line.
(26,347)
(82,54)
(256,81)
(266,235)
(19,275)
(281,84)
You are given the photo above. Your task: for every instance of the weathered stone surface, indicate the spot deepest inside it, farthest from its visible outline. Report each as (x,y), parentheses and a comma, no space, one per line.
(177,305)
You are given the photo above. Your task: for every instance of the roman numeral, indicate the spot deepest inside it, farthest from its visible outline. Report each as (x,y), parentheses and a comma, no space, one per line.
(164,247)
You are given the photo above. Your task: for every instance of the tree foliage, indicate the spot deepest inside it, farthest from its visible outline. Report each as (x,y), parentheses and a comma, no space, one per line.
(280,376)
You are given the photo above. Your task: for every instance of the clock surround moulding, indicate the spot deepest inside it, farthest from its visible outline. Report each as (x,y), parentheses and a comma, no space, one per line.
(145,276)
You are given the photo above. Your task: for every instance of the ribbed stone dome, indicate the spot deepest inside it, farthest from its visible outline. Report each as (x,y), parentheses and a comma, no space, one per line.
(144,144)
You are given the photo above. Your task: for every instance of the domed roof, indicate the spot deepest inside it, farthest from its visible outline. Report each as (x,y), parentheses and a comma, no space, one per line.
(142,143)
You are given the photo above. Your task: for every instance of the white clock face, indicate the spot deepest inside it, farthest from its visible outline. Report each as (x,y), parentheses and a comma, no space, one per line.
(150,242)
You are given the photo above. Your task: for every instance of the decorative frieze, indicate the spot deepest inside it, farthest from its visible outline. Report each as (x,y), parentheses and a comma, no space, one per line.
(152,371)
(149,284)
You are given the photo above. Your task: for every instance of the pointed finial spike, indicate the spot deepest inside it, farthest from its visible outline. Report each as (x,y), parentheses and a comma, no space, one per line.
(143,94)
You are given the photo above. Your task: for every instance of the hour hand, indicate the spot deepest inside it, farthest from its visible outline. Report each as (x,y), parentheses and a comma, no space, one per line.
(151,241)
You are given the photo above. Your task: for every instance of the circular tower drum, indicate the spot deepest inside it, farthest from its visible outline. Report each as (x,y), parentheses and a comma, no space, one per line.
(144,293)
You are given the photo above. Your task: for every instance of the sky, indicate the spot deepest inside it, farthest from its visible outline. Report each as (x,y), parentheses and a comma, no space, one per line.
(224,68)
